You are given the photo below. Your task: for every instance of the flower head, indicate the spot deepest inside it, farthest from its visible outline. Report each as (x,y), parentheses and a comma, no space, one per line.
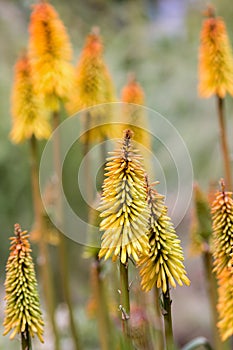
(22,300)
(123,206)
(164,262)
(215,58)
(132,114)
(50,53)
(222,216)
(93,86)
(30,117)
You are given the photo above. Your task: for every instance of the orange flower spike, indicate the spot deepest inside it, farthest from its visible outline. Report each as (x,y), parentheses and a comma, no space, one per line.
(132,92)
(50,52)
(29,114)
(215,58)
(93,83)
(93,86)
(134,116)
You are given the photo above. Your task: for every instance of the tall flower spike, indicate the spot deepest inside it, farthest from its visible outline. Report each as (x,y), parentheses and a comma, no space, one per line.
(222,216)
(215,58)
(164,263)
(134,115)
(50,53)
(123,207)
(93,85)
(29,114)
(22,301)
(202,226)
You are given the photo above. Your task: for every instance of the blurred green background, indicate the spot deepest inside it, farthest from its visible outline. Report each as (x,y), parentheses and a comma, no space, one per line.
(158,40)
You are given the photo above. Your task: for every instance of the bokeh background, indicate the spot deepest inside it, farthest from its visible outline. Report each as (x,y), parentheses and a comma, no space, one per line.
(158,40)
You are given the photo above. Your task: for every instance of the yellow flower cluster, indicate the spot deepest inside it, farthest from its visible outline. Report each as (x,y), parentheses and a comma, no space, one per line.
(164,263)
(92,86)
(132,114)
(215,59)
(22,300)
(50,53)
(30,117)
(222,215)
(123,208)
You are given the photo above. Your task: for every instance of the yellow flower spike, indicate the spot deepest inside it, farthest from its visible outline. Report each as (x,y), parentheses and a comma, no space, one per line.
(225,303)
(30,118)
(123,207)
(93,86)
(222,216)
(50,53)
(215,58)
(22,300)
(163,263)
(132,94)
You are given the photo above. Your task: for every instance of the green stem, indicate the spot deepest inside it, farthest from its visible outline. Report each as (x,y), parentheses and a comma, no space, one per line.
(224,143)
(103,155)
(86,147)
(125,304)
(62,251)
(102,308)
(213,297)
(168,319)
(158,320)
(45,269)
(26,340)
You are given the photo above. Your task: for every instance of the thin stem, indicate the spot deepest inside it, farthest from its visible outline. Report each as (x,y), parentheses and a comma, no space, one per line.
(158,320)
(224,143)
(62,251)
(87,163)
(26,340)
(213,297)
(102,308)
(168,319)
(44,265)
(125,304)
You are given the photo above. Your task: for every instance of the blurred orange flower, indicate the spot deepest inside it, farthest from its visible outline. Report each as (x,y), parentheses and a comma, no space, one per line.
(50,53)
(29,114)
(133,115)
(215,59)
(93,86)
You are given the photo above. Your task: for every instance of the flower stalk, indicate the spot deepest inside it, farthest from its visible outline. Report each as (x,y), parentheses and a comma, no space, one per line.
(224,142)
(62,246)
(125,304)
(168,319)
(45,269)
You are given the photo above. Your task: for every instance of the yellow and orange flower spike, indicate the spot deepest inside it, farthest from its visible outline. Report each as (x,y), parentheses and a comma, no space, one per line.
(22,314)
(164,262)
(123,208)
(222,216)
(93,85)
(215,58)
(225,303)
(50,53)
(133,115)
(30,118)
